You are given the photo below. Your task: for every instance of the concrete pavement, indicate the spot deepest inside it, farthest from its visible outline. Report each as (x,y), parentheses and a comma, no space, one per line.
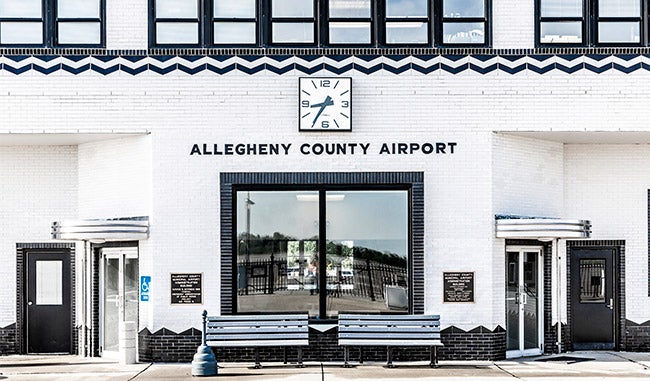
(585,366)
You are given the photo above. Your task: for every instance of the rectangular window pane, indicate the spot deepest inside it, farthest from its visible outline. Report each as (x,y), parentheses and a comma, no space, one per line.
(293,32)
(568,32)
(49,282)
(463,8)
(234,33)
(592,281)
(21,33)
(407,32)
(78,8)
(463,33)
(349,8)
(20,8)
(349,33)
(407,8)
(292,8)
(367,251)
(277,251)
(79,33)
(612,32)
(619,8)
(177,33)
(177,9)
(561,8)
(234,8)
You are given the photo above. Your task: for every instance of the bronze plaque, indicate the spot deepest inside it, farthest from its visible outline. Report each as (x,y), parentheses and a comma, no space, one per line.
(458,287)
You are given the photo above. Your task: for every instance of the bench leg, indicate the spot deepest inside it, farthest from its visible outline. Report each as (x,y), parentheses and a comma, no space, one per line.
(346,357)
(258,365)
(389,357)
(299,358)
(360,355)
(434,357)
(285,355)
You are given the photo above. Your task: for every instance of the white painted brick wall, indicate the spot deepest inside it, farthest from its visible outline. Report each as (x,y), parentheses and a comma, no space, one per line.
(608,184)
(127,23)
(514,24)
(38,185)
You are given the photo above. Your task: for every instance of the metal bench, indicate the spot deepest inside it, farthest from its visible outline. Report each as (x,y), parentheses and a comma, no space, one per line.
(259,331)
(390,331)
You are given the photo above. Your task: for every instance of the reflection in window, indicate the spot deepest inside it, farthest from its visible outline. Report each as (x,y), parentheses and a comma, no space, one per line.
(78,22)
(619,21)
(292,22)
(280,265)
(350,21)
(176,22)
(234,22)
(592,281)
(561,21)
(407,22)
(21,22)
(464,22)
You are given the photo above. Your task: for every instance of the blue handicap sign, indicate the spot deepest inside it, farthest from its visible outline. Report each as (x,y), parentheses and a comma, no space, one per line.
(145,282)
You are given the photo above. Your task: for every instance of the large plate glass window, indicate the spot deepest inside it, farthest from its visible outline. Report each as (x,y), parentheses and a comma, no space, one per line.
(78,22)
(561,21)
(234,22)
(619,21)
(176,22)
(406,22)
(464,22)
(322,251)
(293,22)
(350,21)
(21,22)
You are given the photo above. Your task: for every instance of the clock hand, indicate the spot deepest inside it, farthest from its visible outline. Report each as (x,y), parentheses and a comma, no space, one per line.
(328,102)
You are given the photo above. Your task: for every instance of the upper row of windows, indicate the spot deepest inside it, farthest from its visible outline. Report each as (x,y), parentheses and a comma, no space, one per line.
(317,23)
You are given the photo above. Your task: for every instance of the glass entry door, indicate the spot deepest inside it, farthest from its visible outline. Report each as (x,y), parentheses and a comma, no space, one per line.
(523,301)
(119,270)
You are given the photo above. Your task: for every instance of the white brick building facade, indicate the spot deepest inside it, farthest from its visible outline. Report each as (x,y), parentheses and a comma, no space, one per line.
(110,136)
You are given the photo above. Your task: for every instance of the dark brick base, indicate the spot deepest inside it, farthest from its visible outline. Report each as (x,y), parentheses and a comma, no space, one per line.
(637,336)
(477,344)
(8,340)
(167,346)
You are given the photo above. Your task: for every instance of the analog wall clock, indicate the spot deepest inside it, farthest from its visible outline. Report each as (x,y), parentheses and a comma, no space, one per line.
(325,104)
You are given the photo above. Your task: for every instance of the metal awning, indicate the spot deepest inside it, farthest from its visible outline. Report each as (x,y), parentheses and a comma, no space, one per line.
(526,227)
(117,229)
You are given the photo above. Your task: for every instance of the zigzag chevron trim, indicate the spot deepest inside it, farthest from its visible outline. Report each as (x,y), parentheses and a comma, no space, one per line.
(366,64)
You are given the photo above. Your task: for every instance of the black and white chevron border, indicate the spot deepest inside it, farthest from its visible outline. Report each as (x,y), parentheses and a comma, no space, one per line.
(365,64)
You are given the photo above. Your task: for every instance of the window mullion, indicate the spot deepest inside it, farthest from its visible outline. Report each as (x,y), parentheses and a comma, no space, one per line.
(322,253)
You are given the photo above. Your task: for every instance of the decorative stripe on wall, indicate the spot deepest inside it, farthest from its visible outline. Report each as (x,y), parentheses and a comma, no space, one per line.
(335,64)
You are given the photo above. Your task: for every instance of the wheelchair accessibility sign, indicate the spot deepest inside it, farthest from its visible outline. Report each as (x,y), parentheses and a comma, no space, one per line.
(145,281)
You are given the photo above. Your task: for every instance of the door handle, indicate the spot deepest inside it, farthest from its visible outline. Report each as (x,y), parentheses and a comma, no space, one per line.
(611,304)
(524,298)
(29,303)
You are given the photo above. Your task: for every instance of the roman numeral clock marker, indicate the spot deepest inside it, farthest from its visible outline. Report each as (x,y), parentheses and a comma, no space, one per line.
(325,104)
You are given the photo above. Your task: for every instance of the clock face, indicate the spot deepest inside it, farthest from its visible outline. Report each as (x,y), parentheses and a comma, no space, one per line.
(325,104)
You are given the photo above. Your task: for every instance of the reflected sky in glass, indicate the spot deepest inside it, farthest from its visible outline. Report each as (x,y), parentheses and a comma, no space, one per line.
(177,9)
(21,33)
(234,33)
(407,8)
(561,8)
(20,8)
(79,33)
(619,8)
(463,8)
(78,8)
(234,8)
(349,8)
(292,8)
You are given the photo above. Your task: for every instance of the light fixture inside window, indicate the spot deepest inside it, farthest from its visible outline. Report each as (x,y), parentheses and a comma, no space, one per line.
(314,197)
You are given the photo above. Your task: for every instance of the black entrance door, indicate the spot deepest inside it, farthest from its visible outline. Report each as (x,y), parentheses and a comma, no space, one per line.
(48,302)
(593,298)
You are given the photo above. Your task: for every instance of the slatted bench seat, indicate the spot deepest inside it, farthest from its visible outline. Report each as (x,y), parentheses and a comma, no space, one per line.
(259,331)
(390,331)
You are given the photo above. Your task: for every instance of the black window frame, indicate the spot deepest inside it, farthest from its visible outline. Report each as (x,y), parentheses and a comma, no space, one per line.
(232,182)
(441,20)
(590,26)
(321,20)
(208,27)
(50,27)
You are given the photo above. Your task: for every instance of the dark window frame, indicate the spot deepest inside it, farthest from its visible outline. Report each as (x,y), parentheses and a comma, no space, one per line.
(233,182)
(208,27)
(321,20)
(50,29)
(486,20)
(590,19)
